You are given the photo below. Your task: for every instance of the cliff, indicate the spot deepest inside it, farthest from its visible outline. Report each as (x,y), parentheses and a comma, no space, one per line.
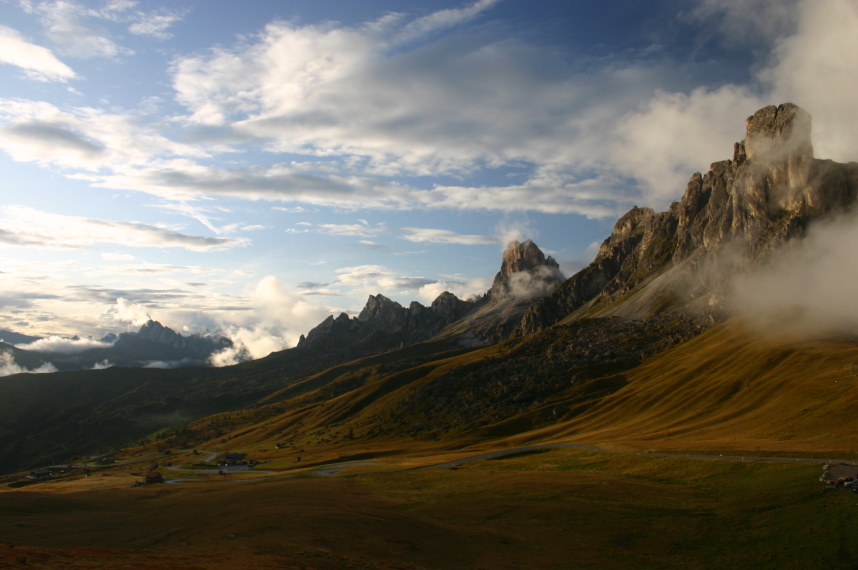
(728,220)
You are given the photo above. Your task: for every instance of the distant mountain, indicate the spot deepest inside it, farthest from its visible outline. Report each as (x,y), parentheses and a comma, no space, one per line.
(384,324)
(525,275)
(729,220)
(10,337)
(153,345)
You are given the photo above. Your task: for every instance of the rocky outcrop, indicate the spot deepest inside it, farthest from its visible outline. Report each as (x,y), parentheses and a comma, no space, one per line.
(155,342)
(384,324)
(525,273)
(728,220)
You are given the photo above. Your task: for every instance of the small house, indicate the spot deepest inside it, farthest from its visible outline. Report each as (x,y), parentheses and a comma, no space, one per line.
(235,458)
(40,474)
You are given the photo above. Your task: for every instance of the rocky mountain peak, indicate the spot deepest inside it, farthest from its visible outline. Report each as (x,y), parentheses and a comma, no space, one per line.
(525,272)
(379,307)
(729,221)
(783,130)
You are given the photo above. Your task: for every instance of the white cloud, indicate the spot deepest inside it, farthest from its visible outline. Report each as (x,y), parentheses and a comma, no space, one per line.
(813,280)
(363,229)
(431,235)
(815,69)
(463,289)
(38,62)
(29,227)
(128,312)
(89,140)
(64,345)
(8,366)
(277,320)
(69,26)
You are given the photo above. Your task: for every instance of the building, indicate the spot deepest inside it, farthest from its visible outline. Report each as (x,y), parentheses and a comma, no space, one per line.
(235,458)
(40,474)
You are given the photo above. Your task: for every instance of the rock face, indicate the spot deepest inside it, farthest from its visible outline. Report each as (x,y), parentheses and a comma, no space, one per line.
(525,273)
(384,324)
(728,220)
(156,342)
(525,276)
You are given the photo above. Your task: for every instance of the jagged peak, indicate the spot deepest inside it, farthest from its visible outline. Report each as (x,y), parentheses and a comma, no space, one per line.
(376,304)
(522,260)
(781,130)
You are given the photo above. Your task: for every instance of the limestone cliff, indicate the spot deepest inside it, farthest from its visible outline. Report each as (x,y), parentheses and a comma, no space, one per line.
(727,221)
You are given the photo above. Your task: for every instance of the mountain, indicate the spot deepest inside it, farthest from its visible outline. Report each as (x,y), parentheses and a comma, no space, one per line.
(534,357)
(525,275)
(11,337)
(153,345)
(384,324)
(729,221)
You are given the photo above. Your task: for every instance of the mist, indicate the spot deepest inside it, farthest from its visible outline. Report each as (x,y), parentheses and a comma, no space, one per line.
(811,282)
(8,366)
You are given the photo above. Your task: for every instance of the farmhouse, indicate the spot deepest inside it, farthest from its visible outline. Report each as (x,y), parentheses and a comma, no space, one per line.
(40,474)
(235,458)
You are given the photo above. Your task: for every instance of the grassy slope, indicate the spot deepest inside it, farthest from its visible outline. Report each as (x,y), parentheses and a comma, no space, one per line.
(725,390)
(731,389)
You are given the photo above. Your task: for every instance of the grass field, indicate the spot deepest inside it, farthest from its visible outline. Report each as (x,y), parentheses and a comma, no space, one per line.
(555,509)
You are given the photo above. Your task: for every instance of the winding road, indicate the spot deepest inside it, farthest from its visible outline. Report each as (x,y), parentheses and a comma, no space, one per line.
(500,453)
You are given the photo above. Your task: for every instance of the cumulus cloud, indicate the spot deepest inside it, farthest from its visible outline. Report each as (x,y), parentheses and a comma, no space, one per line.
(277,320)
(128,312)
(8,366)
(587,136)
(37,62)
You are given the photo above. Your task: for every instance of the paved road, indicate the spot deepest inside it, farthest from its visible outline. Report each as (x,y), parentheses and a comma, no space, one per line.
(525,448)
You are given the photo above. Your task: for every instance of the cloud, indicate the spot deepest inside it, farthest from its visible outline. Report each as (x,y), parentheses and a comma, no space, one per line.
(128,312)
(83,32)
(70,26)
(442,20)
(277,320)
(8,366)
(64,345)
(463,289)
(409,96)
(812,280)
(38,62)
(364,229)
(30,227)
(814,68)
(155,24)
(85,142)
(430,235)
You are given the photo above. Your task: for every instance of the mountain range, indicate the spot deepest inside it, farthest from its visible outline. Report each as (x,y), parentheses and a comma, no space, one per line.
(153,345)
(537,354)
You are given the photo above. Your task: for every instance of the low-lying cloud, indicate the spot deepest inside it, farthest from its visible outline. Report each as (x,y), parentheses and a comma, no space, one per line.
(812,281)
(8,366)
(62,345)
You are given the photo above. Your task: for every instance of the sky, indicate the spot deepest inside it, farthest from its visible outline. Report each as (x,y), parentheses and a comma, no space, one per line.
(252,167)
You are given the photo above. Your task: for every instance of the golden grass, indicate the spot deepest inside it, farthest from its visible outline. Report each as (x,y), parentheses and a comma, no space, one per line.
(564,508)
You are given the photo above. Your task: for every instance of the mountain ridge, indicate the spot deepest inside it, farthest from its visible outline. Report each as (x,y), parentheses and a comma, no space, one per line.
(727,221)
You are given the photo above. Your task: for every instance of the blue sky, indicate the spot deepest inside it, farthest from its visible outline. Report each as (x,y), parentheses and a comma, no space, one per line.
(255,166)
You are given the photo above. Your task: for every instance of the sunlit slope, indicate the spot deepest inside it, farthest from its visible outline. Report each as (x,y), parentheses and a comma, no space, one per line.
(732,388)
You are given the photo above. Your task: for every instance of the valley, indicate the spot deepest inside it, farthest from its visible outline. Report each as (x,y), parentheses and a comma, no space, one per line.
(634,415)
